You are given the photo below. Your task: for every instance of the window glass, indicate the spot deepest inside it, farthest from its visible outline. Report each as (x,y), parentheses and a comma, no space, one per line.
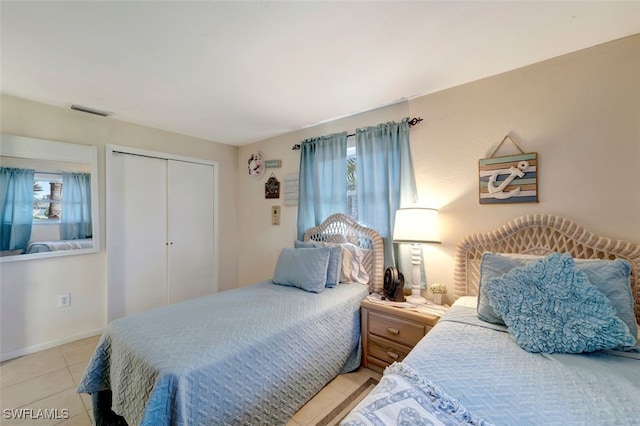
(47,197)
(352,197)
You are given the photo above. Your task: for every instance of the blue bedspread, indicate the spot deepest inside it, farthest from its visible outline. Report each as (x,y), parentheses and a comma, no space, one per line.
(252,355)
(485,371)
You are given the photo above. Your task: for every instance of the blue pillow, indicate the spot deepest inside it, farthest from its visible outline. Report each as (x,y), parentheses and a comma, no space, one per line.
(335,260)
(550,306)
(305,269)
(611,277)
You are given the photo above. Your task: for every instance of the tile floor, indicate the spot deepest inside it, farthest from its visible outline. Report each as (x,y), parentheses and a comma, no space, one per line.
(48,380)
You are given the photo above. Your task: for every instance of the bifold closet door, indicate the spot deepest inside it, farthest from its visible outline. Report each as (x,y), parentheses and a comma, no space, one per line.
(190,226)
(136,234)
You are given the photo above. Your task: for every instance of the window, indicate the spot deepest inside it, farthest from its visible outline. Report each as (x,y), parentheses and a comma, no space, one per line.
(352,196)
(47,198)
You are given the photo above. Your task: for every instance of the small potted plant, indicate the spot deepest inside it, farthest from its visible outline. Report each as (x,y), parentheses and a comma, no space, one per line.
(438,289)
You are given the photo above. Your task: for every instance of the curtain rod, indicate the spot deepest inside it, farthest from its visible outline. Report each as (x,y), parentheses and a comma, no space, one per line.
(412,122)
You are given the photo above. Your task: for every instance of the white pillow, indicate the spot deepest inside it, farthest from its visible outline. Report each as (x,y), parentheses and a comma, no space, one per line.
(353,269)
(353,264)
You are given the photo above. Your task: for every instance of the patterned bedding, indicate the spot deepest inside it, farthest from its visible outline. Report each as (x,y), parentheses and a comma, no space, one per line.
(253,355)
(49,246)
(478,366)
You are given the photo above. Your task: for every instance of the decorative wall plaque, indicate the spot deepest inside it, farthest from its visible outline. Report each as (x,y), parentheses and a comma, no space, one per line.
(255,165)
(509,179)
(272,187)
(273,164)
(291,189)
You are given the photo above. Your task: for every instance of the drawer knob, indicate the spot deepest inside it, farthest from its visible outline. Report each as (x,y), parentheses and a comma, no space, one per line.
(393,331)
(393,355)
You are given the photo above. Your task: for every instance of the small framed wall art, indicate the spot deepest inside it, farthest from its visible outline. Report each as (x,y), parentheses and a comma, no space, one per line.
(272,187)
(509,179)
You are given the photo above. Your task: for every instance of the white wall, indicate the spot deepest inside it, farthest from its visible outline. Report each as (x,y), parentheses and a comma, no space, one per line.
(580,113)
(29,314)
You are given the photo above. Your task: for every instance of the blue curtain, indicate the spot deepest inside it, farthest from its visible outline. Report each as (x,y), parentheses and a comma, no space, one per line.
(16,207)
(75,222)
(386,179)
(322,180)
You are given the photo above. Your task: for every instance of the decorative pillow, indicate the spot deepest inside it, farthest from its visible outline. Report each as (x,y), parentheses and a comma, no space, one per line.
(355,266)
(550,306)
(335,260)
(352,269)
(611,277)
(305,269)
(345,271)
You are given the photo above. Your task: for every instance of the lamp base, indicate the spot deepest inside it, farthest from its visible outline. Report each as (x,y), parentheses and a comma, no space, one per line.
(416,300)
(416,258)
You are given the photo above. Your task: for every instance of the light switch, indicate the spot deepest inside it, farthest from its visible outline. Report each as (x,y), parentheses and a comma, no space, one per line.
(275,215)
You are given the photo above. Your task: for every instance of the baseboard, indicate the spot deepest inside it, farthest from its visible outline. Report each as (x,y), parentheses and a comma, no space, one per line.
(47,345)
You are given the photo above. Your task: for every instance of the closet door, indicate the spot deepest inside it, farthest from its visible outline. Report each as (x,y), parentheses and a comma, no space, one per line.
(136,234)
(191,230)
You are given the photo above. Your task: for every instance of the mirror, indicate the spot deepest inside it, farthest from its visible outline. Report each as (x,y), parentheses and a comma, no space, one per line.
(48,198)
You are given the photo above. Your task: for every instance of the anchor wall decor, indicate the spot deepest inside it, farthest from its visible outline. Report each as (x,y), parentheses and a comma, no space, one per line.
(509,179)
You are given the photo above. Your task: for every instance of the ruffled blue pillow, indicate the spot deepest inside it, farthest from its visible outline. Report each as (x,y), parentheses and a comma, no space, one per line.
(550,306)
(611,277)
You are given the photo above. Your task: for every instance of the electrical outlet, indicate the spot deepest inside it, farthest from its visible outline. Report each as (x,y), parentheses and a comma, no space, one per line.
(64,300)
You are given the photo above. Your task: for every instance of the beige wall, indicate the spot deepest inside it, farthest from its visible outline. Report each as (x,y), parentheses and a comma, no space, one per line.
(579,112)
(260,242)
(29,289)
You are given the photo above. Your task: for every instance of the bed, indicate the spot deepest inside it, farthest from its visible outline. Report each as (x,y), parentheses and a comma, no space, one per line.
(468,370)
(252,355)
(62,245)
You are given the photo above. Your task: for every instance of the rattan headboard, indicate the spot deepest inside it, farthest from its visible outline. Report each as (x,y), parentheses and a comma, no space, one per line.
(339,228)
(540,234)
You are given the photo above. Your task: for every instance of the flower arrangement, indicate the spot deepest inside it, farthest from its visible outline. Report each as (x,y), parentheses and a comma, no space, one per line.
(438,288)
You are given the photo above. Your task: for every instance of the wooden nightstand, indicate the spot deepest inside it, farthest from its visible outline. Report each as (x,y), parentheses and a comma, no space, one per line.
(389,333)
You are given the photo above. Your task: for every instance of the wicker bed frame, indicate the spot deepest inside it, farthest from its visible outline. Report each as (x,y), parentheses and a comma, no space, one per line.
(540,234)
(340,228)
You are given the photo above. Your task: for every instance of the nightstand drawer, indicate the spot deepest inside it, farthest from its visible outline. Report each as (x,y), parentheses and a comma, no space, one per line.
(386,350)
(397,329)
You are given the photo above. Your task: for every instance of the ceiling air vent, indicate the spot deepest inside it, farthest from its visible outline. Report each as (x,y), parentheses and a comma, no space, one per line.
(91,110)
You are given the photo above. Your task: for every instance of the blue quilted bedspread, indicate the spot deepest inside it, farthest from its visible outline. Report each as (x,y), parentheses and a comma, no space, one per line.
(483,369)
(252,355)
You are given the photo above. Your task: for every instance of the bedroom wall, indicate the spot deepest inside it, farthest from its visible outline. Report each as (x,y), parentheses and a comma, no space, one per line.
(580,113)
(30,317)
(260,242)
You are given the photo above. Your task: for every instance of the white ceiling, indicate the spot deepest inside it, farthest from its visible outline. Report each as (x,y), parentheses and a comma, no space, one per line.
(239,72)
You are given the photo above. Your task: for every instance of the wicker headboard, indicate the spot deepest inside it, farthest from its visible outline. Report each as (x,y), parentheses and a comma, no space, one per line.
(339,228)
(540,234)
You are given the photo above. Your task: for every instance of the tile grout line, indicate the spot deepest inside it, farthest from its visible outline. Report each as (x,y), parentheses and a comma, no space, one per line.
(39,375)
(77,415)
(86,409)
(68,370)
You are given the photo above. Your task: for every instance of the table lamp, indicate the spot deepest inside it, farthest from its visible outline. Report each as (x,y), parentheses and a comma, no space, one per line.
(416,226)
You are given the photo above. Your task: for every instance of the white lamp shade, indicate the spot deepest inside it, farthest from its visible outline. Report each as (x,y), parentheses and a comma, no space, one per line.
(416,225)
